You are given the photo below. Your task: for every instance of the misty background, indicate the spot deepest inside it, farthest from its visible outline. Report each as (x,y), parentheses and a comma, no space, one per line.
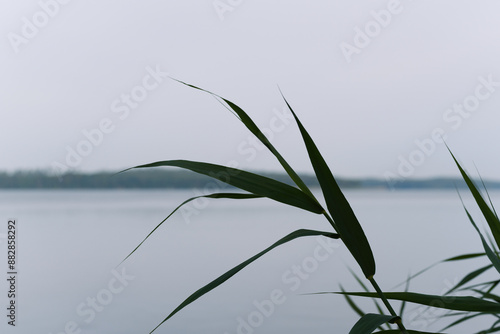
(85,87)
(376,83)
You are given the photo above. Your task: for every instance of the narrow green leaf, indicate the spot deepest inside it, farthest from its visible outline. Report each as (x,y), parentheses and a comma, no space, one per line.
(397,331)
(253,183)
(488,213)
(457,303)
(451,259)
(495,261)
(492,284)
(417,274)
(492,287)
(461,320)
(492,243)
(346,223)
(254,129)
(487,295)
(360,282)
(464,257)
(403,304)
(370,322)
(492,329)
(487,193)
(469,277)
(214,196)
(221,279)
(363,286)
(352,304)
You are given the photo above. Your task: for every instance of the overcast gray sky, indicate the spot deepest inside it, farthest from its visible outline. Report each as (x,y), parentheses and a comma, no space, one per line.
(376,83)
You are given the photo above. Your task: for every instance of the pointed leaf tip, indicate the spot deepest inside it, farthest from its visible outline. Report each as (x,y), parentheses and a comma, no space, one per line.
(345,221)
(253,183)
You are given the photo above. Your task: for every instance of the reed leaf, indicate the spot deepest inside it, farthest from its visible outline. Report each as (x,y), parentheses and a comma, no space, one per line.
(464,257)
(397,331)
(487,295)
(492,284)
(456,303)
(224,277)
(370,322)
(492,329)
(488,213)
(495,261)
(403,304)
(462,319)
(214,196)
(365,288)
(254,129)
(345,221)
(451,259)
(352,304)
(253,183)
(469,277)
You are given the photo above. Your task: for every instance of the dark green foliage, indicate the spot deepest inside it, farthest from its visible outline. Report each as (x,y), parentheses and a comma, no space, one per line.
(480,299)
(295,192)
(300,196)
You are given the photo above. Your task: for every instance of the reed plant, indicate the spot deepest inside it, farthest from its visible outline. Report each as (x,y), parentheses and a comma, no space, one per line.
(339,214)
(476,299)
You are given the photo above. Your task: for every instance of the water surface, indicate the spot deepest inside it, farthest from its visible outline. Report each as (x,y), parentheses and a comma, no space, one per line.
(71,242)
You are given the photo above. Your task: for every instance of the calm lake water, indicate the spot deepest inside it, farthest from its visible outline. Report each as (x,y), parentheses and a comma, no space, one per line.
(71,242)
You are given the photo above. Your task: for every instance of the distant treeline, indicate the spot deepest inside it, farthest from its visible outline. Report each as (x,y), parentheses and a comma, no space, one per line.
(184,179)
(130,179)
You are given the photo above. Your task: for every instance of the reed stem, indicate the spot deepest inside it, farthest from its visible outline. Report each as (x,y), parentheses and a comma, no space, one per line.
(388,305)
(375,285)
